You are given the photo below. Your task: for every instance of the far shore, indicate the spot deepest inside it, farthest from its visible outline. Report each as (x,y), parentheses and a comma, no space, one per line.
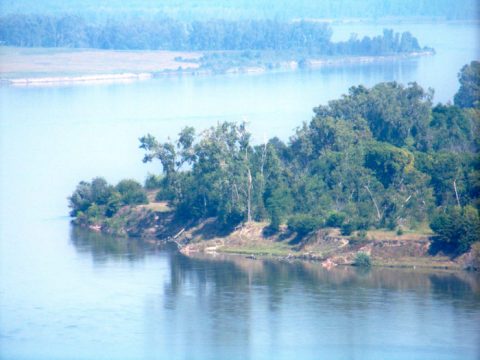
(51,67)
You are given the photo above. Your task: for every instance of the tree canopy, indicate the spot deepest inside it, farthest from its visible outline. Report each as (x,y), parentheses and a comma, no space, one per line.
(468,96)
(377,157)
(162,33)
(380,157)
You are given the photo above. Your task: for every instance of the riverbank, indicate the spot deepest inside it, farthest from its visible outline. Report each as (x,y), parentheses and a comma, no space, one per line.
(155,223)
(47,67)
(328,246)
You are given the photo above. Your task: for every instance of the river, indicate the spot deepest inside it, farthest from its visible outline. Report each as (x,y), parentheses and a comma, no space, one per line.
(66,294)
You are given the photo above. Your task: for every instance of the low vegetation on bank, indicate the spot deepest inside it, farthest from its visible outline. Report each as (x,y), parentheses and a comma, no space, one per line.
(162,33)
(378,158)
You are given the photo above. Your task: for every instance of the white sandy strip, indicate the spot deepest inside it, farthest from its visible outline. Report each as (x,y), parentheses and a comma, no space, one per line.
(83,78)
(316,63)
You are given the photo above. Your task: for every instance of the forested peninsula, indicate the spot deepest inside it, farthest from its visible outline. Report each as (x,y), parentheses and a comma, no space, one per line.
(380,175)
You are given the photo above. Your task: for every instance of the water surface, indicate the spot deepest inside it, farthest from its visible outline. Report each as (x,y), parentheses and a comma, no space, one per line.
(66,294)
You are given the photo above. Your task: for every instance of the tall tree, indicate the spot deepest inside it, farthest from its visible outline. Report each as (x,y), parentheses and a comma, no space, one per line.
(468,96)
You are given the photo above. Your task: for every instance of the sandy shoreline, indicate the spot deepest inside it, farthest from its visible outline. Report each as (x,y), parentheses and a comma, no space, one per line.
(84,78)
(45,66)
(51,67)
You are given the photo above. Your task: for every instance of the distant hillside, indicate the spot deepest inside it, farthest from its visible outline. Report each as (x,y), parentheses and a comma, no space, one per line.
(278,9)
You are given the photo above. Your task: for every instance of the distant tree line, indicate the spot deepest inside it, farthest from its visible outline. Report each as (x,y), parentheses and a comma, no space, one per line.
(383,157)
(252,9)
(169,34)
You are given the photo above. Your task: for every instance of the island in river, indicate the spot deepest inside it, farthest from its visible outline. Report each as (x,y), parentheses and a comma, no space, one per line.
(380,175)
(98,53)
(40,66)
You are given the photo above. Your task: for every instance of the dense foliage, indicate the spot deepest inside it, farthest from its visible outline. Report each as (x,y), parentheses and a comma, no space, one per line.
(362,260)
(469,93)
(457,228)
(97,199)
(303,224)
(169,34)
(380,157)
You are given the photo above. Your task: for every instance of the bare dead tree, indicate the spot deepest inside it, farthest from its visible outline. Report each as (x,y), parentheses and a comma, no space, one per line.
(456,192)
(379,215)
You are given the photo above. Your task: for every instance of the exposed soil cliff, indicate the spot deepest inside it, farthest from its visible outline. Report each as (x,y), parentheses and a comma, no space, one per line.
(386,248)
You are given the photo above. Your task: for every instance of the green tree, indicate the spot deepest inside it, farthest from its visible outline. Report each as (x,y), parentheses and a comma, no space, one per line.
(362,260)
(87,193)
(303,224)
(451,129)
(81,198)
(456,228)
(131,192)
(277,196)
(468,96)
(388,162)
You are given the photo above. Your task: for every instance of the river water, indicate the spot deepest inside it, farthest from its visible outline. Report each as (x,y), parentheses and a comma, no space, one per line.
(67,294)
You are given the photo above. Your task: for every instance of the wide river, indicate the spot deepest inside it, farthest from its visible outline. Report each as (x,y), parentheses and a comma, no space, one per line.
(67,294)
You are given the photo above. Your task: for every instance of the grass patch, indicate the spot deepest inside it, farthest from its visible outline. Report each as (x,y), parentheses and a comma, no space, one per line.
(273,250)
(438,262)
(385,235)
(161,206)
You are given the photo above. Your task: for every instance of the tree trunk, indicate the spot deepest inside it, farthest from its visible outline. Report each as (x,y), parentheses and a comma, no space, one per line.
(264,156)
(456,192)
(249,197)
(379,215)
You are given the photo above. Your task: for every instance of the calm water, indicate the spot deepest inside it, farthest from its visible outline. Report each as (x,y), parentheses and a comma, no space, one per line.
(65,294)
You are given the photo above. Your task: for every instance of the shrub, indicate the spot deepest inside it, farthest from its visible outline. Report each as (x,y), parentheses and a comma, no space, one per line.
(81,198)
(362,234)
(303,224)
(97,192)
(114,204)
(359,237)
(390,224)
(80,218)
(93,214)
(100,191)
(473,262)
(468,94)
(153,182)
(362,260)
(165,193)
(278,202)
(232,219)
(335,219)
(132,193)
(456,228)
(347,229)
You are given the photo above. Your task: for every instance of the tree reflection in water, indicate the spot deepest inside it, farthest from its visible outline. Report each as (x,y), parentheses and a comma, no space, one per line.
(233,307)
(237,273)
(105,247)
